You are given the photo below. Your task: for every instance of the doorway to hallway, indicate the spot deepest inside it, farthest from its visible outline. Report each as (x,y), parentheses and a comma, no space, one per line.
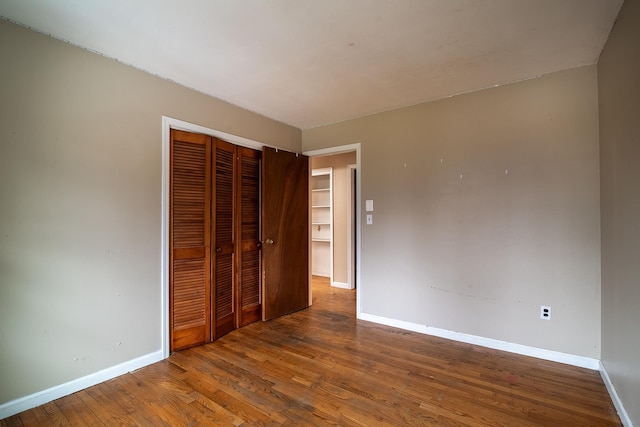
(333,219)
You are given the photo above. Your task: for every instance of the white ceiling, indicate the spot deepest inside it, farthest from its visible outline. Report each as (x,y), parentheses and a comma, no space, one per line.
(314,62)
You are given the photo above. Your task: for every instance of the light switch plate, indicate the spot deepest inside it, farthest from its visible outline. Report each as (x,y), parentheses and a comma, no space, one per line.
(369,205)
(369,219)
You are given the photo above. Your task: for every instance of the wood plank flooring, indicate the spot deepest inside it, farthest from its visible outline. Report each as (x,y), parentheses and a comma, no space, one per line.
(321,366)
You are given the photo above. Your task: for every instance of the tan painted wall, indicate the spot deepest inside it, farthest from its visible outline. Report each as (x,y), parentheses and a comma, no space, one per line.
(80,204)
(457,243)
(339,163)
(619,95)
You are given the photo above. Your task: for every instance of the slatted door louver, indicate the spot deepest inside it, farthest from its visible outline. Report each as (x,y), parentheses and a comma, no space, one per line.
(250,298)
(189,233)
(224,218)
(215,272)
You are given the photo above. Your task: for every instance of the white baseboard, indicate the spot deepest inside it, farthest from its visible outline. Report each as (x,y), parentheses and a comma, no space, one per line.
(622,413)
(341,285)
(554,356)
(27,402)
(320,273)
(24,403)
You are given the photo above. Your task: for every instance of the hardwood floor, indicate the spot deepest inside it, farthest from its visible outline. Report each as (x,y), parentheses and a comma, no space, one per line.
(321,366)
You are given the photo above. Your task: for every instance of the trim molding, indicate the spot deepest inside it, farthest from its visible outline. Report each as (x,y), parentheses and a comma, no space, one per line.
(320,273)
(341,285)
(622,413)
(525,350)
(36,399)
(351,225)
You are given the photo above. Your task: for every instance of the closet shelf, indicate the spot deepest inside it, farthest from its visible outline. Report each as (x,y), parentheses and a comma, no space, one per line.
(322,222)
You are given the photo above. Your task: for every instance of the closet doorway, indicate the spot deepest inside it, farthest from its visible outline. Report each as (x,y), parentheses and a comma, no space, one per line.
(231,262)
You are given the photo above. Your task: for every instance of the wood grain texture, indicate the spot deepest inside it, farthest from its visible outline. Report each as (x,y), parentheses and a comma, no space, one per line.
(189,239)
(321,366)
(285,222)
(249,290)
(224,238)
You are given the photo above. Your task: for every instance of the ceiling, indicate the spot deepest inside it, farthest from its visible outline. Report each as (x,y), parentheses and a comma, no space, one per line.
(312,62)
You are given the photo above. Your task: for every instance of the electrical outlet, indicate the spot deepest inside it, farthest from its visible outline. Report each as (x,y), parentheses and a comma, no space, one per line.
(545,312)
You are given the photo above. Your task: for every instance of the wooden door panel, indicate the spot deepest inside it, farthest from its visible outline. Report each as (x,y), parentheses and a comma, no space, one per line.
(249,299)
(224,159)
(215,231)
(285,232)
(189,240)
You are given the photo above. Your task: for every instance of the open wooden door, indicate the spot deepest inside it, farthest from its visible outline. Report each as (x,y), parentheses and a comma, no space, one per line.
(285,232)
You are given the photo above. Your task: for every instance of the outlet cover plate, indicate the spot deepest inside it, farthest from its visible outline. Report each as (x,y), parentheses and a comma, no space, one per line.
(545,312)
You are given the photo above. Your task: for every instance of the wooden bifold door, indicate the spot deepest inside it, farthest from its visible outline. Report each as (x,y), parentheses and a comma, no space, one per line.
(216,261)
(214,238)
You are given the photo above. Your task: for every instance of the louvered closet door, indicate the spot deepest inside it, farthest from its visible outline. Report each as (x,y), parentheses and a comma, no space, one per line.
(189,240)
(224,160)
(249,300)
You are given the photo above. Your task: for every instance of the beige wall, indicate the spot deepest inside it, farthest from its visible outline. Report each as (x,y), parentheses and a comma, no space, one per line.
(457,242)
(341,212)
(80,205)
(619,95)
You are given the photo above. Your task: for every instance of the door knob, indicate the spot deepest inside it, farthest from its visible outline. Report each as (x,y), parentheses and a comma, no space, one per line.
(269,242)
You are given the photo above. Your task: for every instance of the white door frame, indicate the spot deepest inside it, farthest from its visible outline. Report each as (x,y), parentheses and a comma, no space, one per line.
(351,226)
(344,149)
